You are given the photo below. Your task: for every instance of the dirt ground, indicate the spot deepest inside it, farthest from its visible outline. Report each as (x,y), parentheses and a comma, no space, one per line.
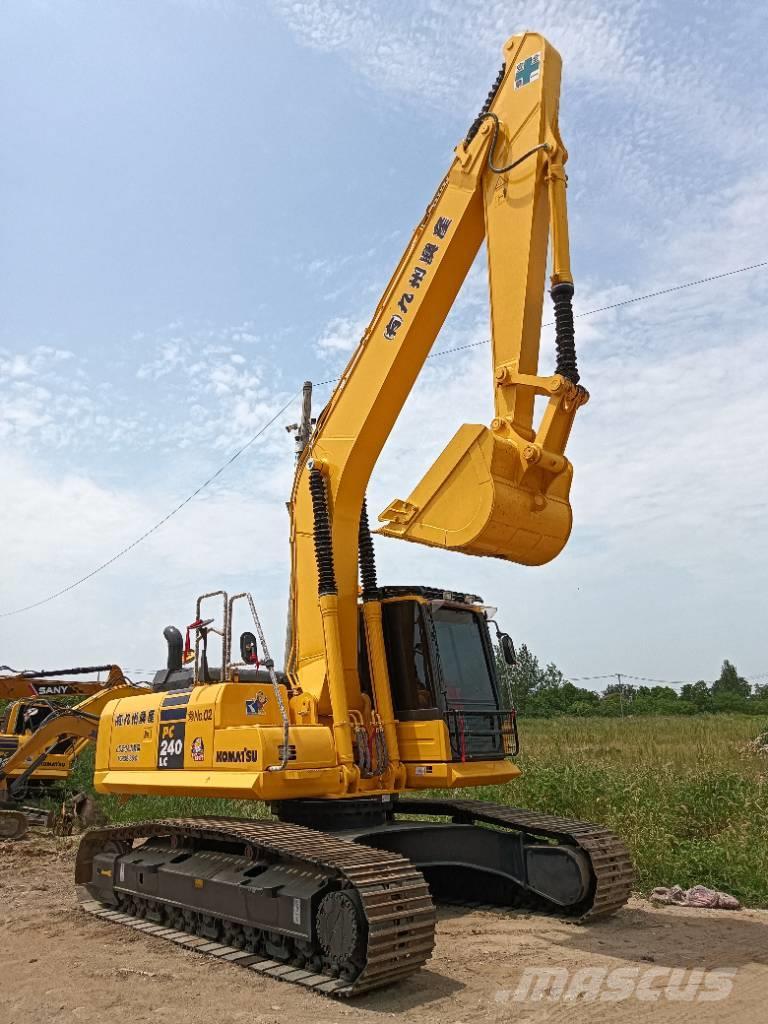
(58,964)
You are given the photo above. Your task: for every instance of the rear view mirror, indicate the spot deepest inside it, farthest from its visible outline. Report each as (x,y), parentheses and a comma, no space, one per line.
(248,649)
(507,648)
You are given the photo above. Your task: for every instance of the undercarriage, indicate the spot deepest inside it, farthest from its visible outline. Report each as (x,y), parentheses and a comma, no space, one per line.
(346,905)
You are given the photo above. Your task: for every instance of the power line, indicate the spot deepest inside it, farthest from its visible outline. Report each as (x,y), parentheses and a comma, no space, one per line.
(684,682)
(158,524)
(334,380)
(648,679)
(622,302)
(598,309)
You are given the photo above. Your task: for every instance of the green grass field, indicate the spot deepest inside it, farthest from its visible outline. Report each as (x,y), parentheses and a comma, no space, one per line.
(685,794)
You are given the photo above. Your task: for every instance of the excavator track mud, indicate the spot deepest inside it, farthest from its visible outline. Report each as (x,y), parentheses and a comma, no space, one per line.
(15,819)
(13,824)
(279,899)
(609,861)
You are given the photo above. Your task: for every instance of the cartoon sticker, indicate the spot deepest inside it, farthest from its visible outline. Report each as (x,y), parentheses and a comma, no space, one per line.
(257,705)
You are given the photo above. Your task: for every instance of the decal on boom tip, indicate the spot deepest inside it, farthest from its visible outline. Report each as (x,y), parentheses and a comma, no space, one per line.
(527,70)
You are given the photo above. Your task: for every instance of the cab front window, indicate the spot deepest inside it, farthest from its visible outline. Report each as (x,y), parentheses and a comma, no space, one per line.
(463,658)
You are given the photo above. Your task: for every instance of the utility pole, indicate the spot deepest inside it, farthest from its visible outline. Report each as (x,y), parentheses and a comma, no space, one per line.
(303,430)
(304,427)
(621,693)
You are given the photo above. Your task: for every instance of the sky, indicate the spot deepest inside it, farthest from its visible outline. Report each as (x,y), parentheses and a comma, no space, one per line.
(200,204)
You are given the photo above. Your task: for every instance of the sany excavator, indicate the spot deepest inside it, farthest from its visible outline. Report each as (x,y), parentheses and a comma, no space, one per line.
(39,742)
(47,683)
(387,689)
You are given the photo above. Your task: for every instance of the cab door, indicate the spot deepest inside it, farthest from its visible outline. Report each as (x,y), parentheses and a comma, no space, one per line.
(479,728)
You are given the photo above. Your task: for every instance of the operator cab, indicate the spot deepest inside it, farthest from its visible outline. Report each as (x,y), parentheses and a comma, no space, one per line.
(25,716)
(442,666)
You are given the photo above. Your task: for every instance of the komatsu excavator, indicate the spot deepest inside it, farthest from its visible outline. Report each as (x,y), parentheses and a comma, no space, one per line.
(386,689)
(40,742)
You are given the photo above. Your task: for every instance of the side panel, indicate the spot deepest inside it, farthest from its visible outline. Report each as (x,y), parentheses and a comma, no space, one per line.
(216,740)
(423,741)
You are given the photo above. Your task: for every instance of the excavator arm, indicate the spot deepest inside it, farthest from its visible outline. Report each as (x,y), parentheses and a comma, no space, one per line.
(504,491)
(500,490)
(79,723)
(50,684)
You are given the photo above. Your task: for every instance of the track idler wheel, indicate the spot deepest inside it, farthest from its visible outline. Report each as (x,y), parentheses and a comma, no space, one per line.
(341,933)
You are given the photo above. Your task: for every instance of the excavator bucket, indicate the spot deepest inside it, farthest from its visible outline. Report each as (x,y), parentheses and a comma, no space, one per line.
(488,495)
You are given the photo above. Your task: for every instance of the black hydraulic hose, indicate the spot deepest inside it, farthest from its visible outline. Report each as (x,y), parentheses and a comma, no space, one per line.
(326,574)
(367,557)
(562,296)
(490,116)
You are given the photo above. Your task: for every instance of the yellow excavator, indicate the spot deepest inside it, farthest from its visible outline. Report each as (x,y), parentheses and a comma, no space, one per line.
(387,689)
(40,742)
(56,683)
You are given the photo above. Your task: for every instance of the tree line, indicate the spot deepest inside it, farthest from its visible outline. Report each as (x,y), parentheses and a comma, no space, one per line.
(538,692)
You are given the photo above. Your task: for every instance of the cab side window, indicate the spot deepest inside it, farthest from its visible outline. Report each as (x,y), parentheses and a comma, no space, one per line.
(407,644)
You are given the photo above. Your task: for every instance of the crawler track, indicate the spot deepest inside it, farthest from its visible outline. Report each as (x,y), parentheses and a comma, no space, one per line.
(393,934)
(383,902)
(13,824)
(15,819)
(608,857)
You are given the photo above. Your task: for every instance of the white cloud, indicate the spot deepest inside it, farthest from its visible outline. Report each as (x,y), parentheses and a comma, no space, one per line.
(169,359)
(56,526)
(633,106)
(48,400)
(15,367)
(664,574)
(341,334)
(200,387)
(438,47)
(669,483)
